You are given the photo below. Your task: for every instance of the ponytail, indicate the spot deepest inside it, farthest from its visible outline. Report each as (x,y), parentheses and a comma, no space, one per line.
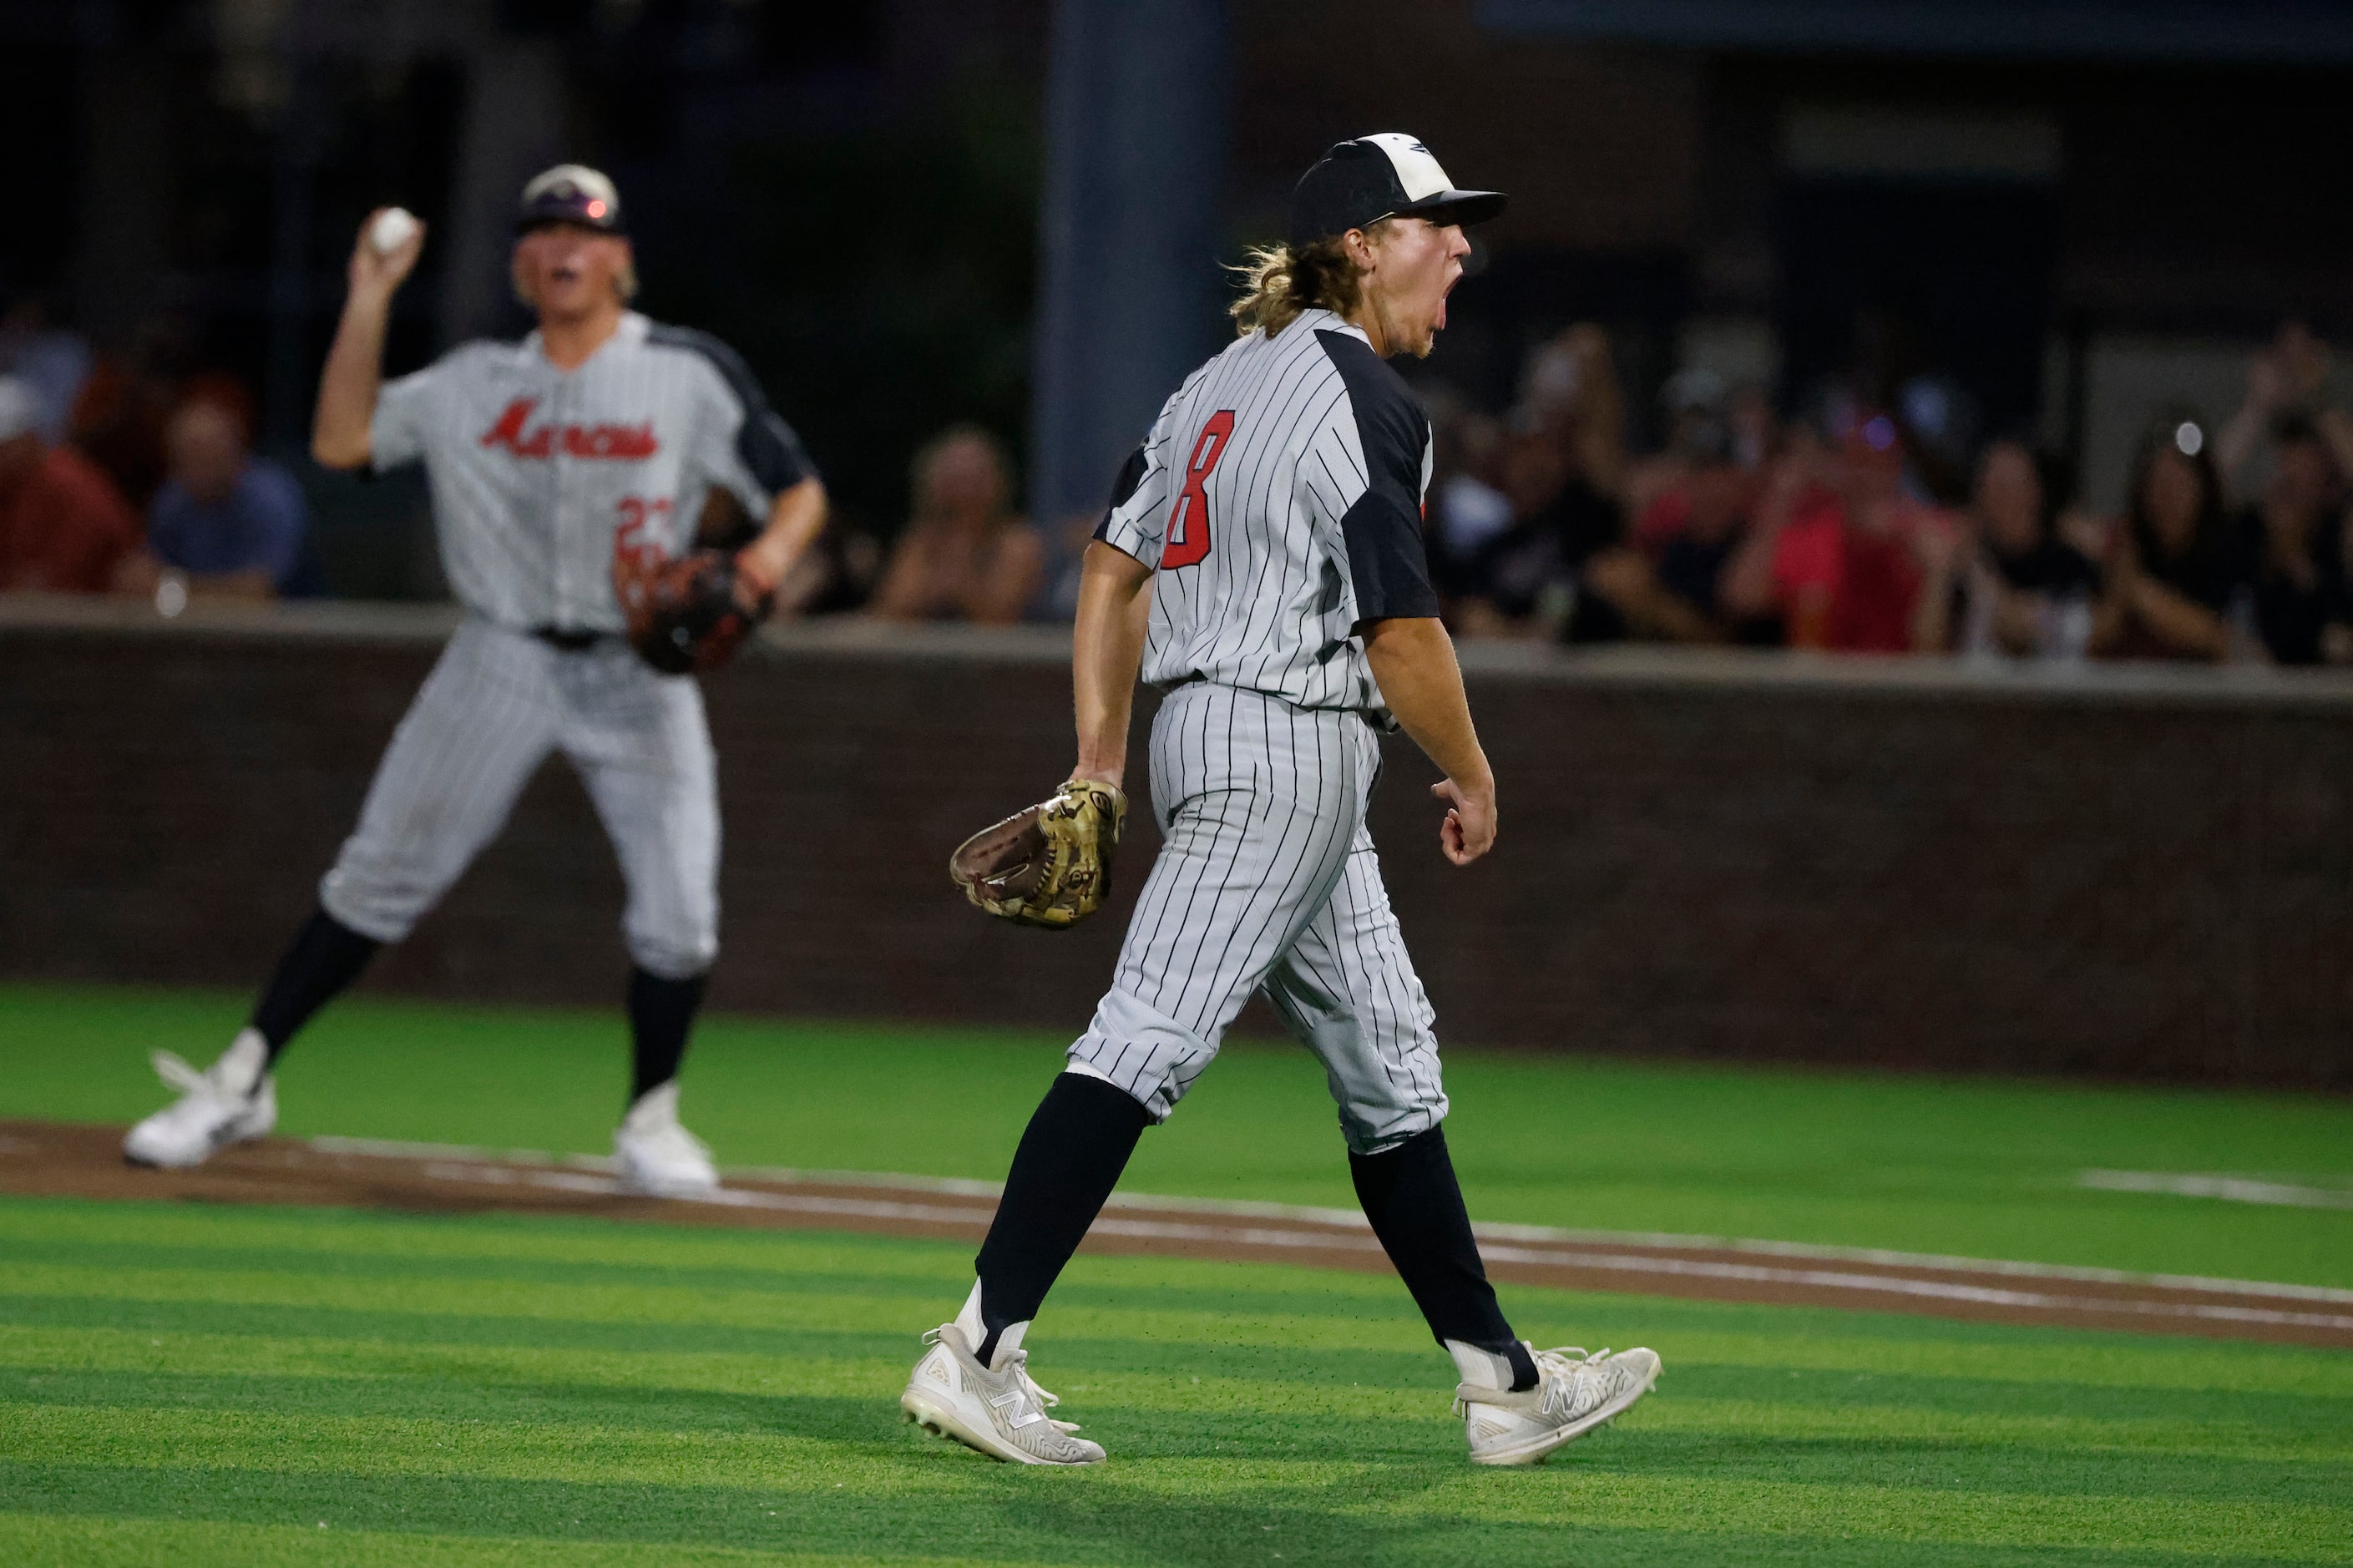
(1282,280)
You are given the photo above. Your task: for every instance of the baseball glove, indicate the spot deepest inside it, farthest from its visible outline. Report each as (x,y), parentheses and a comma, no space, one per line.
(688,613)
(1047,866)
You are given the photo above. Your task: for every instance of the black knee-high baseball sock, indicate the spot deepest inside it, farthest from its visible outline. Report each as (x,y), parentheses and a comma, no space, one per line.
(1415,1204)
(324,956)
(1077,1143)
(661,1012)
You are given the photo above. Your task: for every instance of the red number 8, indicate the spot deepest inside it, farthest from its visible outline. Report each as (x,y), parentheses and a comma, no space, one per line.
(1188,523)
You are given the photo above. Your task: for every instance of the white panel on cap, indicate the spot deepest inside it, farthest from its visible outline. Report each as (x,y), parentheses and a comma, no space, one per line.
(1417,171)
(578,175)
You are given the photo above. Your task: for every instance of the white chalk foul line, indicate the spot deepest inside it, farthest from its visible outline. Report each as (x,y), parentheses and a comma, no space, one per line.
(1334,1240)
(1345,1230)
(2230,1189)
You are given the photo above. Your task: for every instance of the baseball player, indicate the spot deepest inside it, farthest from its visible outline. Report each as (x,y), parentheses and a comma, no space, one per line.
(1261,563)
(555,464)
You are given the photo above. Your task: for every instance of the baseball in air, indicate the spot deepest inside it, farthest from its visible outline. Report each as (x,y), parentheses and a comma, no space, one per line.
(391,230)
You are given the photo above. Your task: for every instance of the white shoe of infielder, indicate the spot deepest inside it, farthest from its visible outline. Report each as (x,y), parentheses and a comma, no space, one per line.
(998,1411)
(232,1101)
(656,1155)
(1574,1393)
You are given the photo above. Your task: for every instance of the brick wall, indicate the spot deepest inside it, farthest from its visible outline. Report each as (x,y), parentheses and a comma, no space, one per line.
(2123,873)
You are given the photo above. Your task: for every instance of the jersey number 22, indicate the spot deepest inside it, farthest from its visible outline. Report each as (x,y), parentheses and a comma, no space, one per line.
(1188,522)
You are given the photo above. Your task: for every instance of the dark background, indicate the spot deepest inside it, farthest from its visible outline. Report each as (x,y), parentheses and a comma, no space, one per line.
(866,201)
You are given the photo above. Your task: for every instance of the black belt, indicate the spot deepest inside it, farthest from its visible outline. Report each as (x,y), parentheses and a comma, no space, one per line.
(569,641)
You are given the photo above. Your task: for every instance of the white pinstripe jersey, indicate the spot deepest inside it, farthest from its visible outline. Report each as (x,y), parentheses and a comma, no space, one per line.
(538,474)
(1279,500)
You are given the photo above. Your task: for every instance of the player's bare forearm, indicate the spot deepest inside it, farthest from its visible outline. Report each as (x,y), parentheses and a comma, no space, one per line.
(794,521)
(347,388)
(1106,651)
(339,428)
(1413,660)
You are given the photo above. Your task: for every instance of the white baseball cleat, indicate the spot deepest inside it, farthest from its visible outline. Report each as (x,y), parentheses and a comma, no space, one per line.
(1574,1393)
(656,1155)
(999,1412)
(232,1101)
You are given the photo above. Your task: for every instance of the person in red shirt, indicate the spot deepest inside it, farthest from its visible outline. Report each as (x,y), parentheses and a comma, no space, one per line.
(64,527)
(1851,564)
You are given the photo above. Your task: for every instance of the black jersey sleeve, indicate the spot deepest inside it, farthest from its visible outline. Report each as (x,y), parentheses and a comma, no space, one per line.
(1387,565)
(1124,487)
(768,447)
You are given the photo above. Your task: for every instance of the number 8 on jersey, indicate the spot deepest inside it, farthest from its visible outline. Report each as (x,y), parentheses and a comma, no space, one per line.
(1188,520)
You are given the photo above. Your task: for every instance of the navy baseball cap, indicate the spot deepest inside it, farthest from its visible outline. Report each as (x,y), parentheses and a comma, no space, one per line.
(1391,174)
(571,193)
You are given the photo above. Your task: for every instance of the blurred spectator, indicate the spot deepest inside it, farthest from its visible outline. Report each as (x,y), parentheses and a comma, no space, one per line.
(2025,591)
(1070,539)
(2294,538)
(1466,513)
(2177,569)
(1690,400)
(2287,379)
(1939,424)
(1670,585)
(1527,580)
(1559,468)
(1569,389)
(64,527)
(50,360)
(1755,432)
(235,523)
(117,422)
(963,554)
(1845,558)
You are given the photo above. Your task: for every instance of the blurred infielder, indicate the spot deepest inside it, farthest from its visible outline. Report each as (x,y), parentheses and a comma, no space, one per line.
(567,473)
(1262,563)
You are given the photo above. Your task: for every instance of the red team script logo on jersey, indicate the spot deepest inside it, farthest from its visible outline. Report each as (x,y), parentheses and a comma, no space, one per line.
(629,442)
(1188,520)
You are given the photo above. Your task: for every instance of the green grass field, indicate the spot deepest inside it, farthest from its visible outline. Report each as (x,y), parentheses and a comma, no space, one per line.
(181,1385)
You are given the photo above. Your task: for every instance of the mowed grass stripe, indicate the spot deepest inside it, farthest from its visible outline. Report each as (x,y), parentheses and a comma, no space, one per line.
(50,1541)
(991,1513)
(792,1439)
(1688,1335)
(40,1541)
(334,1377)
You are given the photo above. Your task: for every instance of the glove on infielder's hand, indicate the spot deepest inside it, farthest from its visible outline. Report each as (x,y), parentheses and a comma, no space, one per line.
(1049,866)
(686,613)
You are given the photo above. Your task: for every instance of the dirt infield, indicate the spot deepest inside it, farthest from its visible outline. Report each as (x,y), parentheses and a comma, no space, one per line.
(44,1159)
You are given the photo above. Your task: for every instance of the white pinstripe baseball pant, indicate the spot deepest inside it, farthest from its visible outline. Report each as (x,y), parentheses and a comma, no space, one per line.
(1267,878)
(497,703)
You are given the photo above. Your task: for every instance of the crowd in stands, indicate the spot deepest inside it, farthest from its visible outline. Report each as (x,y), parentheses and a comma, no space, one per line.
(117,479)
(1873,522)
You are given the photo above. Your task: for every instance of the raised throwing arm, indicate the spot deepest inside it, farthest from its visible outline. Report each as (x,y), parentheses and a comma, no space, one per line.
(339,427)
